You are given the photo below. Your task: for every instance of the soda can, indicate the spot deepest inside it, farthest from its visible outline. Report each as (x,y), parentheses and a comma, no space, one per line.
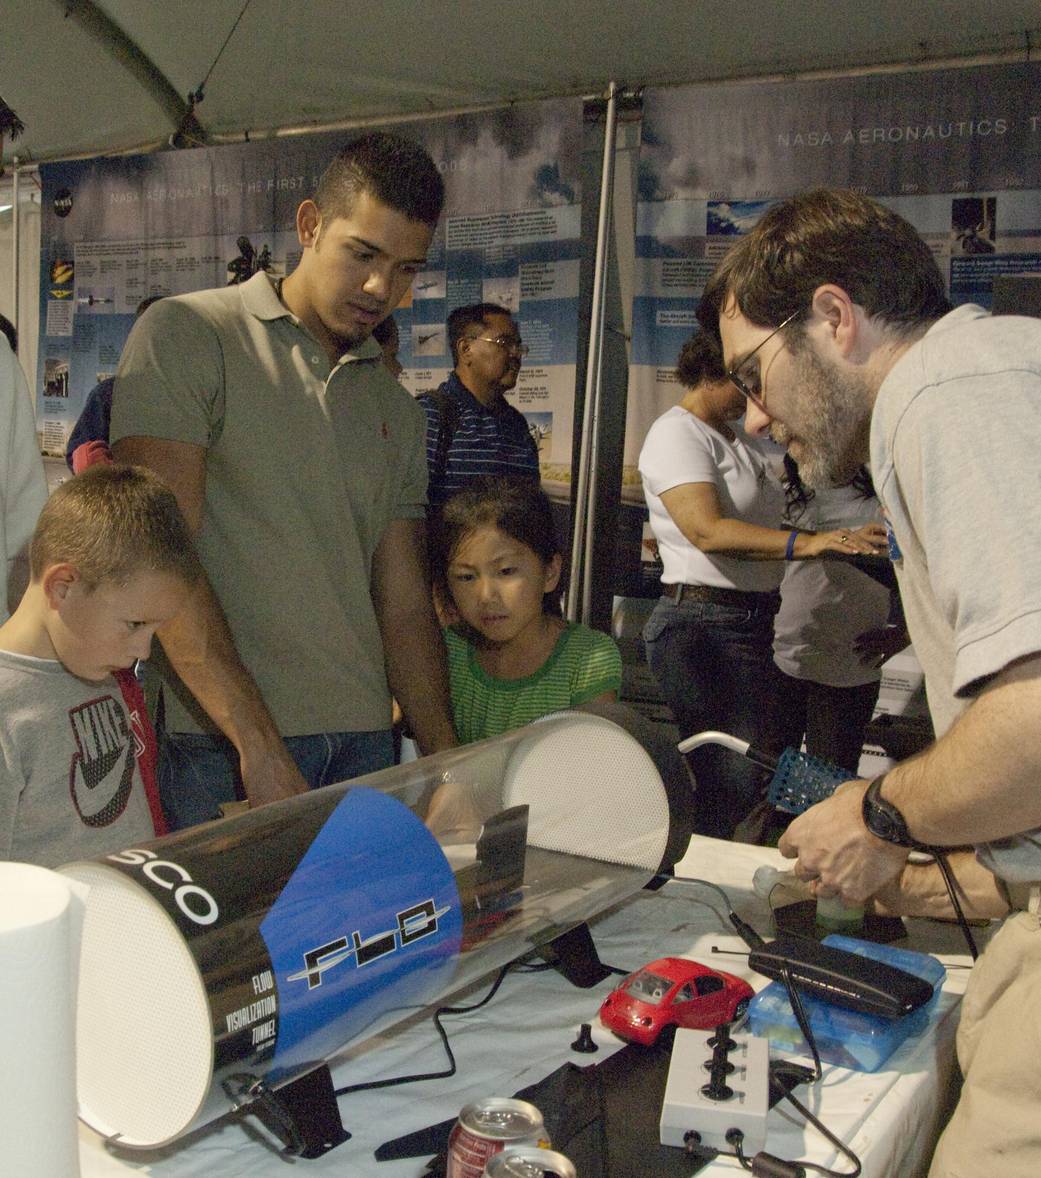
(487,1127)
(528,1161)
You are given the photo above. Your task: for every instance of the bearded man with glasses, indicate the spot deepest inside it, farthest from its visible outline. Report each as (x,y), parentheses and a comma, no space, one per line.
(946,406)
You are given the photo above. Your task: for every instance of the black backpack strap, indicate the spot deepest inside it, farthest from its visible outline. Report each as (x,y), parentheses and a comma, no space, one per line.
(448,413)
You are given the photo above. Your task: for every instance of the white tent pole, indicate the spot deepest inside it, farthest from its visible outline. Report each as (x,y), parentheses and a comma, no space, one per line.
(14,244)
(579,593)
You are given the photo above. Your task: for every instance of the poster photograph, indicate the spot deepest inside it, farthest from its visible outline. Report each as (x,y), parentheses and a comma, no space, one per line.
(117,231)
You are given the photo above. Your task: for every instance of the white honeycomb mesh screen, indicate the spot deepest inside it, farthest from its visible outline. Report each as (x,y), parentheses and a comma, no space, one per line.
(592,790)
(144,1047)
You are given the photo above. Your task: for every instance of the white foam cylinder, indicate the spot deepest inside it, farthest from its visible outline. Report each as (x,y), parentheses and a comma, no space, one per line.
(40,924)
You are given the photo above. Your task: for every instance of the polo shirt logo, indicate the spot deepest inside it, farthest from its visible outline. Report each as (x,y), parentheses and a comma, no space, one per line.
(385,432)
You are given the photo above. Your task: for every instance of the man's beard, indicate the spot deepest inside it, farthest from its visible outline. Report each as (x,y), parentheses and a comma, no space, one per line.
(353,338)
(830,415)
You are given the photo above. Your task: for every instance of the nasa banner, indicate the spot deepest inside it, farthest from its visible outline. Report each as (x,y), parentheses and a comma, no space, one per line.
(955,151)
(117,231)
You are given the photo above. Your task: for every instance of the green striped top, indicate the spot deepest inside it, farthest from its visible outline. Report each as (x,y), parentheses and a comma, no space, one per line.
(585,663)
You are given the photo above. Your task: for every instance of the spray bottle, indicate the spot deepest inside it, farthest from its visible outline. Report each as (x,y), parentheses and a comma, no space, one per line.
(784,887)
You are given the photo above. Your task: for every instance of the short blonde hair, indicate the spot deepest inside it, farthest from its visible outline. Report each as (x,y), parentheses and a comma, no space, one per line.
(111,523)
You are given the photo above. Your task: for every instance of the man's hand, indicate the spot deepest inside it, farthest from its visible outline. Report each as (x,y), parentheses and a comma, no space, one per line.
(270,775)
(836,853)
(413,649)
(920,890)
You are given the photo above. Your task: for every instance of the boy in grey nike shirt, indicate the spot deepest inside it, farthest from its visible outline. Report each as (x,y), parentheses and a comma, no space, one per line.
(111,561)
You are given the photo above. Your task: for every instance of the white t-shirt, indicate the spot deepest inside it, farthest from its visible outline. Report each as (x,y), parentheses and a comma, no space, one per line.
(23,485)
(680,448)
(70,780)
(826,604)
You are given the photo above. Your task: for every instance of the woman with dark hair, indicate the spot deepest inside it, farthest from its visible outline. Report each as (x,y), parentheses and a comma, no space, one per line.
(836,626)
(716,510)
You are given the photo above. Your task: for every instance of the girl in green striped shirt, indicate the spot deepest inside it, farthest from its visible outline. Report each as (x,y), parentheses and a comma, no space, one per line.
(511,656)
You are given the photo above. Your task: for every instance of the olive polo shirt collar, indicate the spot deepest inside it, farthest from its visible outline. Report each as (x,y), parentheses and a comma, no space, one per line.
(261,300)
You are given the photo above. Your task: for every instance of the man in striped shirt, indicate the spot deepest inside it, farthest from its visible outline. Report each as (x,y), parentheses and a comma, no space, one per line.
(472,429)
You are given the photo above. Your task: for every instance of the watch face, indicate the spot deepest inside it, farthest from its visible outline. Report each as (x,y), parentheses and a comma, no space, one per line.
(884,820)
(883,825)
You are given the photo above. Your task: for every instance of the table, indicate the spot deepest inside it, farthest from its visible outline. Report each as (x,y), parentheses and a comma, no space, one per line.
(890,1118)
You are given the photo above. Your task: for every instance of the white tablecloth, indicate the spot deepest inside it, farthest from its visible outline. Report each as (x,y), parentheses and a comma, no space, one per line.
(890,1118)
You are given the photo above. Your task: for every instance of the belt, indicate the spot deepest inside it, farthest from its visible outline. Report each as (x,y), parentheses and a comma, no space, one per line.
(742,598)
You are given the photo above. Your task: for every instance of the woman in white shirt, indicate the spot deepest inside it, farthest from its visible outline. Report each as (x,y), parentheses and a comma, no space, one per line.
(715,510)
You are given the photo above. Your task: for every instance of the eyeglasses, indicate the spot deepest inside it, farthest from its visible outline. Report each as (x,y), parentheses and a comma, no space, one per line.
(507,343)
(749,384)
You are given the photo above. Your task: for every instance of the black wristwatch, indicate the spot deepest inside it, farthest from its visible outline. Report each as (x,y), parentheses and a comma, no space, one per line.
(883,819)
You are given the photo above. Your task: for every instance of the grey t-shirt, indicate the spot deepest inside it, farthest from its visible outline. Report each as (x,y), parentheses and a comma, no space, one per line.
(70,785)
(827,604)
(955,445)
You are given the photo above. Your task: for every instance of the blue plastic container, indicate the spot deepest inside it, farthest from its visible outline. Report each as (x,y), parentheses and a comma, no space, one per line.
(845,1037)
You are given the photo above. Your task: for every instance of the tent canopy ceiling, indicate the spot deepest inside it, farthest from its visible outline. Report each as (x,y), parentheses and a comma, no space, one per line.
(94,76)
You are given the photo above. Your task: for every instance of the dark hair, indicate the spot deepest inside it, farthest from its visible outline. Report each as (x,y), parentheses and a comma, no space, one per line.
(9,329)
(112,522)
(144,304)
(396,171)
(828,235)
(463,318)
(700,361)
(797,494)
(516,506)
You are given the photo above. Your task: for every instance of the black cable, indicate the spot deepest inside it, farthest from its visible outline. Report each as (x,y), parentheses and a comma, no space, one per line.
(707,883)
(198,95)
(744,930)
(952,890)
(825,1132)
(769,1165)
(740,1155)
(451,1069)
(800,1017)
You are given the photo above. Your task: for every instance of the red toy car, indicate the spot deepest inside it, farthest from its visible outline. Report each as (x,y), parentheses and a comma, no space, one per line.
(673,992)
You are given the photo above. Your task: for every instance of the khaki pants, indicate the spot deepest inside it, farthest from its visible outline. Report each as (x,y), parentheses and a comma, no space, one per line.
(995,1131)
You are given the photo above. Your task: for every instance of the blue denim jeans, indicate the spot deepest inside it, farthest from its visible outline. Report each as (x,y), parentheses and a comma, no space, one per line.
(714,664)
(199,773)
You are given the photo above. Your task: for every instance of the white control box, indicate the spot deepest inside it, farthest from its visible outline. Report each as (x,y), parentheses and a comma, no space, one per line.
(687,1109)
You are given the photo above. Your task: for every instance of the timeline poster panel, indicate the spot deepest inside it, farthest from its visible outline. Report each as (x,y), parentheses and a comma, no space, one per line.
(116,231)
(956,151)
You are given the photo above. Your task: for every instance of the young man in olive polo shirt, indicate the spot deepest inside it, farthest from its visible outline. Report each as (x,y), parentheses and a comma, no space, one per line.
(299,463)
